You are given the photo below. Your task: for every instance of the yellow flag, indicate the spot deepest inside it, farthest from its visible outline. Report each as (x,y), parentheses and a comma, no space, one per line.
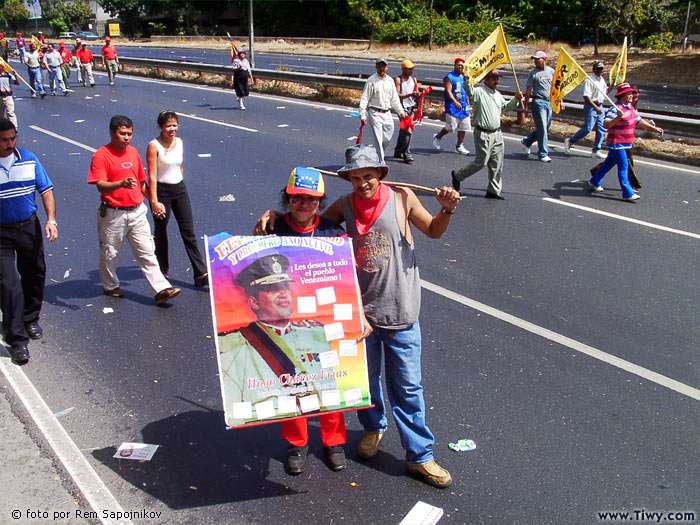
(492,52)
(37,43)
(618,71)
(567,75)
(5,66)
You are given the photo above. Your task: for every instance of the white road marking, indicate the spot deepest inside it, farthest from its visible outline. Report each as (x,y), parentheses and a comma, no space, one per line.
(583,348)
(86,479)
(226,124)
(623,218)
(61,137)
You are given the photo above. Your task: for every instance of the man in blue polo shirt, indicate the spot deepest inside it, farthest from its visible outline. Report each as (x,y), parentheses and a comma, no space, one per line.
(22,265)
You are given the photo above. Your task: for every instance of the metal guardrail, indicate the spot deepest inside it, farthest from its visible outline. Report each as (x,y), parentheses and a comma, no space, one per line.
(674,124)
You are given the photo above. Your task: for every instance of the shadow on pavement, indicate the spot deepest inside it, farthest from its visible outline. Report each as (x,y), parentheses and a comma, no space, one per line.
(200,463)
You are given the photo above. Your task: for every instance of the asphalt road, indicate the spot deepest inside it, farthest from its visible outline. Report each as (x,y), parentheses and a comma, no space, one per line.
(655,95)
(560,435)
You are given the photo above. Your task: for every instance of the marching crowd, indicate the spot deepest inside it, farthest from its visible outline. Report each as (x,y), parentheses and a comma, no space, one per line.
(388,275)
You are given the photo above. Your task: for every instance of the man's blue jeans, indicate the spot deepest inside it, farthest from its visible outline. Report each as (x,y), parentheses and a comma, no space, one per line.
(591,119)
(615,157)
(401,349)
(35,79)
(542,115)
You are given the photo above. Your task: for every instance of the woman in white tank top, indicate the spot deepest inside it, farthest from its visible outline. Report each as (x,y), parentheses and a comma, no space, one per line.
(167,193)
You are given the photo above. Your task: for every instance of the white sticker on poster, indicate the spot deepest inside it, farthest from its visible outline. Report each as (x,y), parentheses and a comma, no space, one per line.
(265,409)
(347,347)
(334,331)
(309,403)
(242,410)
(329,359)
(306,305)
(342,312)
(287,404)
(325,295)
(330,398)
(352,397)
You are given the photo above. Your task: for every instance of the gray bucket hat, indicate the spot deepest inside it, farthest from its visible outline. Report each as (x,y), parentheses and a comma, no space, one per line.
(361,156)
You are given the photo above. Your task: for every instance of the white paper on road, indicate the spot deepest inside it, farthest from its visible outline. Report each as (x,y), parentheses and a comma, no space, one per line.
(347,347)
(325,295)
(334,331)
(66,274)
(227,198)
(329,359)
(309,403)
(306,305)
(265,409)
(281,107)
(204,155)
(64,412)
(286,404)
(107,310)
(137,451)
(330,398)
(78,121)
(422,514)
(282,125)
(342,312)
(242,410)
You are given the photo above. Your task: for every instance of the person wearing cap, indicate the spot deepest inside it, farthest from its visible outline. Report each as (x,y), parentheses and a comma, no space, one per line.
(456,108)
(33,61)
(594,90)
(242,73)
(274,345)
(7,101)
(167,193)
(488,104)
(76,62)
(66,60)
(20,44)
(621,121)
(379,97)
(117,173)
(110,61)
(4,47)
(53,61)
(84,56)
(539,83)
(409,91)
(40,37)
(378,219)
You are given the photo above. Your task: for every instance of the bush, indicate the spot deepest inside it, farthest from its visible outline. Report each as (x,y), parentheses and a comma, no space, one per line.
(58,26)
(661,42)
(473,26)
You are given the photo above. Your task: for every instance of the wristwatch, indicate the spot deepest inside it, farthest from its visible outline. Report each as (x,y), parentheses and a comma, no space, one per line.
(52,222)
(448,212)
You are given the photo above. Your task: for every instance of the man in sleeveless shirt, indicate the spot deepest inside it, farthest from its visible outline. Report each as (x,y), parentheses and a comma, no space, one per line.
(389,281)
(456,108)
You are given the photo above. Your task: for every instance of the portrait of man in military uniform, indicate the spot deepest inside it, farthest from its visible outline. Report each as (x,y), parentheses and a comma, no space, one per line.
(272,356)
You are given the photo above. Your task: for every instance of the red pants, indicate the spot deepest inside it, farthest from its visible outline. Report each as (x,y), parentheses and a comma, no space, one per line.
(332,430)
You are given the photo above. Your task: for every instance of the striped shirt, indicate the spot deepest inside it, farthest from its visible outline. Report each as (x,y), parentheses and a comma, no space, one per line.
(621,135)
(17,185)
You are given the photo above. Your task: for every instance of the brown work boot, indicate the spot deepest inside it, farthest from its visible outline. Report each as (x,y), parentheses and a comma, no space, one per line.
(432,473)
(369,444)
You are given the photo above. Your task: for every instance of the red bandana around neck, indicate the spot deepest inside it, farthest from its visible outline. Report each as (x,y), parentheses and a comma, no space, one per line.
(367,211)
(314,225)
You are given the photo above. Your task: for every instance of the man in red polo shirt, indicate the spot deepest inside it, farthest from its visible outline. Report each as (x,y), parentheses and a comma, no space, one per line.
(110,60)
(84,56)
(117,172)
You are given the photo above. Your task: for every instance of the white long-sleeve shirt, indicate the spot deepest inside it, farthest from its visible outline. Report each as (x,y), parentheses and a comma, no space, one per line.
(380,93)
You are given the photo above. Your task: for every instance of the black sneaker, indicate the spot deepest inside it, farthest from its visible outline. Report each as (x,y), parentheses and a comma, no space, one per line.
(455,183)
(336,457)
(296,458)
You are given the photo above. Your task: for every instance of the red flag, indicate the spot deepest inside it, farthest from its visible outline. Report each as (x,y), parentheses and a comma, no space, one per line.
(406,123)
(359,134)
(421,100)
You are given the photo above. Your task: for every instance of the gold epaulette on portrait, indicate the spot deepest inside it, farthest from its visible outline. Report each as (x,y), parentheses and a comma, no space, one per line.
(307,323)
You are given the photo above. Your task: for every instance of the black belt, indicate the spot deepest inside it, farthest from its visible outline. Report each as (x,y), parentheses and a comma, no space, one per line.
(19,224)
(380,110)
(483,130)
(123,208)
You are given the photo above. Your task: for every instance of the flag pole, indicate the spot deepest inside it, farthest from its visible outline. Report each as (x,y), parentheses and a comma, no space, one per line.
(512,67)
(388,183)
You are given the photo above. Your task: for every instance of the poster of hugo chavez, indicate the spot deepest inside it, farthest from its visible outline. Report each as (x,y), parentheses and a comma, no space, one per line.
(287,318)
